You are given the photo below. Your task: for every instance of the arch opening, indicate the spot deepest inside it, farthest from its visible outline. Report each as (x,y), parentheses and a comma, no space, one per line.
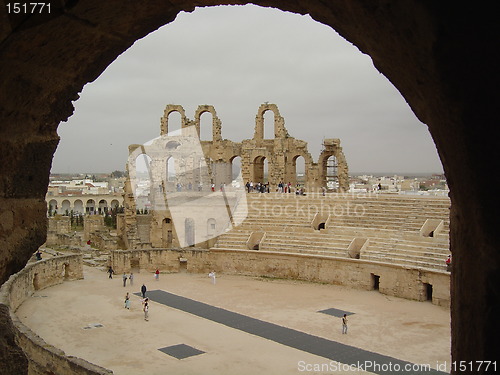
(206,125)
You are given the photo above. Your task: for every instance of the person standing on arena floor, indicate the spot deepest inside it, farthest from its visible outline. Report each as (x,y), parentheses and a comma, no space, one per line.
(143,291)
(344,324)
(145,308)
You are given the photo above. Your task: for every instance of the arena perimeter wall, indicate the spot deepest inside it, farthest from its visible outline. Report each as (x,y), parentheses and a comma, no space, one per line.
(42,357)
(390,279)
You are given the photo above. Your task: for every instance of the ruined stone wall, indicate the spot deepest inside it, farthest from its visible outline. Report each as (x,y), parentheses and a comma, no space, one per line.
(91,225)
(199,164)
(42,357)
(395,280)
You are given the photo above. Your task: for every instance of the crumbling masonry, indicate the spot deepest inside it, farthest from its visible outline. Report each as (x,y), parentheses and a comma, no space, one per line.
(213,169)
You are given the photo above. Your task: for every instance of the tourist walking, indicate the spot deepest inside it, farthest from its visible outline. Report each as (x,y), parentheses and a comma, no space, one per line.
(127,301)
(344,324)
(212,276)
(143,291)
(111,272)
(124,277)
(131,278)
(157,274)
(145,308)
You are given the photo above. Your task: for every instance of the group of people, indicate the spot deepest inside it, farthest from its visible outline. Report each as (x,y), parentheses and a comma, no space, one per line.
(145,302)
(260,187)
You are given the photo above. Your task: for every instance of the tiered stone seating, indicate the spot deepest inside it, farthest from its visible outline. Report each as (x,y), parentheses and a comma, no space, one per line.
(391,223)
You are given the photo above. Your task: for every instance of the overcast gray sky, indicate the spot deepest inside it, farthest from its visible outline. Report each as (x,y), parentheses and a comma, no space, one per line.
(236,58)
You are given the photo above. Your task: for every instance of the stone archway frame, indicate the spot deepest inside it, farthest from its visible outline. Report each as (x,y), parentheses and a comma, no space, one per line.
(332,148)
(419,46)
(216,122)
(279,122)
(308,166)
(257,175)
(170,108)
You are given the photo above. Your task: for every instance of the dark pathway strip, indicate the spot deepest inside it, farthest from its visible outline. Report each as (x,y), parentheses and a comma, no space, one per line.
(335,351)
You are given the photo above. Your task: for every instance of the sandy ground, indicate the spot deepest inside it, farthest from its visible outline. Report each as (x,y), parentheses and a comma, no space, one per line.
(418,332)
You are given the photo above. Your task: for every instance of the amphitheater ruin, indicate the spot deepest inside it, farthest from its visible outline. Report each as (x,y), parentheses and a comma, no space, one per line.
(418,46)
(393,244)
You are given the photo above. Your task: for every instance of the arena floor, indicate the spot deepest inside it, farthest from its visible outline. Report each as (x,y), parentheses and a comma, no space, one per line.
(69,316)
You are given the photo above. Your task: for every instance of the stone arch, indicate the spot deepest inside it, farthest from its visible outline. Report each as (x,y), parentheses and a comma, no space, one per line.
(332,150)
(417,45)
(236,166)
(216,134)
(164,127)
(292,176)
(259,169)
(279,122)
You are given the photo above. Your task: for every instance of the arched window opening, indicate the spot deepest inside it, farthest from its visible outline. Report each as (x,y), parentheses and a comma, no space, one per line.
(268,124)
(142,183)
(236,168)
(332,178)
(206,124)
(174,122)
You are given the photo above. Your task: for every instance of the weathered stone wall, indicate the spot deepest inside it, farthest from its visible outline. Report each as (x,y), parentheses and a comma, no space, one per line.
(395,280)
(91,225)
(43,358)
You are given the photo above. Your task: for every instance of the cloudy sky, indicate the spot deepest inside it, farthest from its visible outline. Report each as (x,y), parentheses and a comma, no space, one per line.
(236,58)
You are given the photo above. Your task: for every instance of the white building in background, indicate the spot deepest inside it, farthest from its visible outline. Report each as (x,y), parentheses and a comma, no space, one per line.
(82,196)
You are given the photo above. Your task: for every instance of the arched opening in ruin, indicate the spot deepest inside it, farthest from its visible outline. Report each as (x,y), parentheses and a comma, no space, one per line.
(167,232)
(174,122)
(269,131)
(260,170)
(141,184)
(330,168)
(235,168)
(206,121)
(299,171)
